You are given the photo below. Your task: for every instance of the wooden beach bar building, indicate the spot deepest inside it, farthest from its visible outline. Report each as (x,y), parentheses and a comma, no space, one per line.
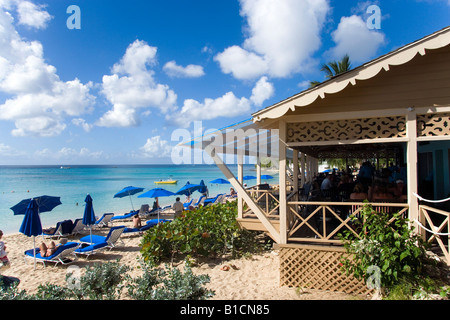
(396,107)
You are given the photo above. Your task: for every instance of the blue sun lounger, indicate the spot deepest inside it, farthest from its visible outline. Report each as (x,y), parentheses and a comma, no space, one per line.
(93,244)
(63,254)
(129,215)
(104,220)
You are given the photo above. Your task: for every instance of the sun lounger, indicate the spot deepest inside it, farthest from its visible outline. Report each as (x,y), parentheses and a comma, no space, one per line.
(131,231)
(104,220)
(126,216)
(63,254)
(144,209)
(91,244)
(200,202)
(186,205)
(213,200)
(154,222)
(63,228)
(78,226)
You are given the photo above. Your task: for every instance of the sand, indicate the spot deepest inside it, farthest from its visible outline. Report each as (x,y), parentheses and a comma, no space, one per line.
(255,278)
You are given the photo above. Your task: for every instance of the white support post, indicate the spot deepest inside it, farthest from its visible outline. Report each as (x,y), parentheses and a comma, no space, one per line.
(282,188)
(245,196)
(411,156)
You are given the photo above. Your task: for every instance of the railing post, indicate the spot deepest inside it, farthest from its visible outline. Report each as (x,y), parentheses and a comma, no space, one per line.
(282,183)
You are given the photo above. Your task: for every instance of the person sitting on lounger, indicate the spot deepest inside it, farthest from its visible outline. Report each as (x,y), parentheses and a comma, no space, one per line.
(137,221)
(47,251)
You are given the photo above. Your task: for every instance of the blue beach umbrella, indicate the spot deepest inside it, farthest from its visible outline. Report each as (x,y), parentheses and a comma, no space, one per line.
(203,187)
(220,181)
(44,204)
(31,225)
(188,189)
(156,193)
(266,177)
(248,178)
(89,215)
(128,191)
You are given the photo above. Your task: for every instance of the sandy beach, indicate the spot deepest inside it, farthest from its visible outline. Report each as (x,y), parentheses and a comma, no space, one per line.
(255,278)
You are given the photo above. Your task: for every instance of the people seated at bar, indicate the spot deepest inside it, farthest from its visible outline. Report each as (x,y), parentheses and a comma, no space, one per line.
(359,193)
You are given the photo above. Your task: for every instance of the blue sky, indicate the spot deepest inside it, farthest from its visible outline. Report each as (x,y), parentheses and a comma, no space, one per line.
(115,90)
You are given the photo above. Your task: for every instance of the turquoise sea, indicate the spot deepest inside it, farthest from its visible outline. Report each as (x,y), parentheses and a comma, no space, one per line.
(73,183)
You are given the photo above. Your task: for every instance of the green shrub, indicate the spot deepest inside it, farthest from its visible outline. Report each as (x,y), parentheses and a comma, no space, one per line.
(107,280)
(169,284)
(393,248)
(207,231)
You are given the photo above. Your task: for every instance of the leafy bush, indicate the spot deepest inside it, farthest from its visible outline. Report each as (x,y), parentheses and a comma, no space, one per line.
(101,282)
(393,248)
(207,231)
(169,284)
(107,280)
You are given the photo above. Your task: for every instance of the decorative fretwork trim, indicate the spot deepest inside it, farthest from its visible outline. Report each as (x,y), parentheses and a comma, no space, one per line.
(433,124)
(344,130)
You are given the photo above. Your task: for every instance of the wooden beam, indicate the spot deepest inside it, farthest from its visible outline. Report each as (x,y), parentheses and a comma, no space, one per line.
(245,196)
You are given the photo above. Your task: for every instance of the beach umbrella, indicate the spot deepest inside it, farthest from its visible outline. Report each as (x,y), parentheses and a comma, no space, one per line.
(156,193)
(44,204)
(248,178)
(220,181)
(266,177)
(89,215)
(31,225)
(203,187)
(128,191)
(188,189)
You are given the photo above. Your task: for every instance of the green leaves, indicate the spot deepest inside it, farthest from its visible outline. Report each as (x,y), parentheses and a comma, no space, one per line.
(387,242)
(207,231)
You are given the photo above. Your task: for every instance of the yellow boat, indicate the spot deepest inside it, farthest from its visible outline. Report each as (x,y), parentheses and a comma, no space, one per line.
(166,181)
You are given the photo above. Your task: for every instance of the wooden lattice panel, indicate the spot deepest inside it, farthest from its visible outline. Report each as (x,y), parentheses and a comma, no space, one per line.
(437,124)
(320,269)
(341,130)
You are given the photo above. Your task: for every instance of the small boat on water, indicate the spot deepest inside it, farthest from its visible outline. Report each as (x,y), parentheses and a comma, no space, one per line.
(168,181)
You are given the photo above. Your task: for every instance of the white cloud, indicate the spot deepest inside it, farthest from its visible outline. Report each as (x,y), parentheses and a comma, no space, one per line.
(262,91)
(226,106)
(155,147)
(38,101)
(32,15)
(352,37)
(280,40)
(132,87)
(190,71)
(83,124)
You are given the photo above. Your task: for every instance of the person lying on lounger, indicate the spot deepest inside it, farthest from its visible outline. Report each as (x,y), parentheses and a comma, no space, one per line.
(137,221)
(47,251)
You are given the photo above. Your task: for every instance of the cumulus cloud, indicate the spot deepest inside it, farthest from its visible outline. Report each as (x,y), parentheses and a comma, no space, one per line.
(132,87)
(352,37)
(190,71)
(262,91)
(155,147)
(226,106)
(38,101)
(80,122)
(281,37)
(32,15)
